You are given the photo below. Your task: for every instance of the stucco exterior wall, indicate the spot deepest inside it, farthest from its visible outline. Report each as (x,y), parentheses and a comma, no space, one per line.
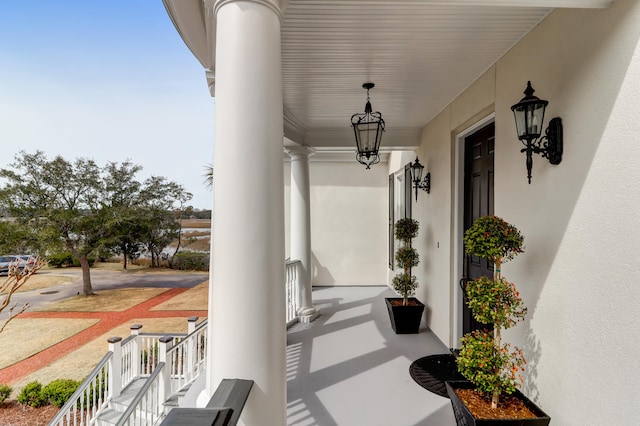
(578,275)
(347,203)
(579,272)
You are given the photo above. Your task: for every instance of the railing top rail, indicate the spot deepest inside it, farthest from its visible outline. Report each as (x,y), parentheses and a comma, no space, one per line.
(161,335)
(183,342)
(128,339)
(292,262)
(72,400)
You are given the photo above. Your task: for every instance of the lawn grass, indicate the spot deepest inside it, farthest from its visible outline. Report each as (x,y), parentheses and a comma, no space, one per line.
(193,299)
(78,364)
(43,281)
(116,300)
(35,335)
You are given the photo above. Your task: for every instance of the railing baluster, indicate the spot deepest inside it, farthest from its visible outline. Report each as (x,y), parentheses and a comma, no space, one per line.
(292,289)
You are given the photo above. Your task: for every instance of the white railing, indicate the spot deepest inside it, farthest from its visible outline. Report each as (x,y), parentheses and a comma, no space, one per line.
(91,397)
(292,290)
(146,407)
(187,359)
(136,356)
(180,362)
(170,366)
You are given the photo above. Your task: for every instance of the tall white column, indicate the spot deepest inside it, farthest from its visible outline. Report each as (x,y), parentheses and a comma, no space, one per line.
(247,337)
(300,248)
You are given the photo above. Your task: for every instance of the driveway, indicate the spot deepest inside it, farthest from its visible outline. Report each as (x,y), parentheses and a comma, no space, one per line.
(104,280)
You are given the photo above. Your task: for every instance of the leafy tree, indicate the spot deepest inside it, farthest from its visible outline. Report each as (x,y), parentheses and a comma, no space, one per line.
(122,215)
(208,176)
(82,208)
(59,199)
(17,238)
(160,197)
(161,229)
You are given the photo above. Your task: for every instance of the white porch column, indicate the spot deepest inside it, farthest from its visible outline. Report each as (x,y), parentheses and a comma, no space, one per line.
(247,336)
(301,227)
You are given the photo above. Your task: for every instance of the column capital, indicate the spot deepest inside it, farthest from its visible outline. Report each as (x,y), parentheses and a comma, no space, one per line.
(297,152)
(278,6)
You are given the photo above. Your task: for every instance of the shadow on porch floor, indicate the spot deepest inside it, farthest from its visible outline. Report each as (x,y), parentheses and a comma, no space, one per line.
(348,368)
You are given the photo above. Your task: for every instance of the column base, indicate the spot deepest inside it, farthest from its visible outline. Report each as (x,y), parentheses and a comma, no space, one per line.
(306,315)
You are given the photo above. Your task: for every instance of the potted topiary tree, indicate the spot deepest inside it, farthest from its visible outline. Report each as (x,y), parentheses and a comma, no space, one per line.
(405,312)
(493,368)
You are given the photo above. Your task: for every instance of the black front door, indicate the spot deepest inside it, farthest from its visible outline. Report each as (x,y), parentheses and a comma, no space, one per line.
(478,201)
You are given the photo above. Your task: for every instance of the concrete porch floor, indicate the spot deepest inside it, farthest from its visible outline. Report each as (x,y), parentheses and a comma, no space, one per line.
(348,367)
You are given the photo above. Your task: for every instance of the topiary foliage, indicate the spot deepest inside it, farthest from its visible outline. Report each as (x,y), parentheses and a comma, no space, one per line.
(31,395)
(406,258)
(406,229)
(405,284)
(495,302)
(491,238)
(59,391)
(490,365)
(492,370)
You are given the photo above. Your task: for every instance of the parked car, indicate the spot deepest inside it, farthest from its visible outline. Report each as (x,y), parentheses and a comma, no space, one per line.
(26,259)
(21,260)
(6,262)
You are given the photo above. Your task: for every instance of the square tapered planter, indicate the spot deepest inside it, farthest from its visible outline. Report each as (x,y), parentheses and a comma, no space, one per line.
(404,319)
(465,418)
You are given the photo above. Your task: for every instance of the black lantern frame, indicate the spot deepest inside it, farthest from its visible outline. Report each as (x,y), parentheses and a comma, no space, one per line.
(529,117)
(416,178)
(368,128)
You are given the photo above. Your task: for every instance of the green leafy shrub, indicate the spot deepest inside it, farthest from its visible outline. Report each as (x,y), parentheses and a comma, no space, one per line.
(76,262)
(406,258)
(5,392)
(60,259)
(31,395)
(492,366)
(190,261)
(495,302)
(406,229)
(491,238)
(405,284)
(490,370)
(59,391)
(95,391)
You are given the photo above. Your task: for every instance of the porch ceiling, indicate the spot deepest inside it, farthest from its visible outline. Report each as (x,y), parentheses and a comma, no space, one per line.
(419,53)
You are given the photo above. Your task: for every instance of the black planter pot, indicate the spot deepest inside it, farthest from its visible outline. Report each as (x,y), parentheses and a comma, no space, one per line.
(465,418)
(405,319)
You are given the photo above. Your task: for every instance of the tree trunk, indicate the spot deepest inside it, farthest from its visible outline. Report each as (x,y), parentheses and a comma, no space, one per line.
(179,238)
(124,261)
(87,290)
(497,342)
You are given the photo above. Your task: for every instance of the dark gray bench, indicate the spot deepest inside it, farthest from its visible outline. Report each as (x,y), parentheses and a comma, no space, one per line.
(223,409)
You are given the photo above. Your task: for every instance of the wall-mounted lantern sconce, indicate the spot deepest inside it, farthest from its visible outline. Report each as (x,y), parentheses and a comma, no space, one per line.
(416,177)
(368,129)
(529,115)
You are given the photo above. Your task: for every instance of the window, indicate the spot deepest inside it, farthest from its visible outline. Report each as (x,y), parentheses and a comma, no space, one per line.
(399,204)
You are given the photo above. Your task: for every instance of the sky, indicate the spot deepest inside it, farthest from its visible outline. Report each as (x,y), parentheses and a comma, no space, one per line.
(105,80)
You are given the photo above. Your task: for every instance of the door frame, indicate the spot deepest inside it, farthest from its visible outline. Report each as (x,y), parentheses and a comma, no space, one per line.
(457,246)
